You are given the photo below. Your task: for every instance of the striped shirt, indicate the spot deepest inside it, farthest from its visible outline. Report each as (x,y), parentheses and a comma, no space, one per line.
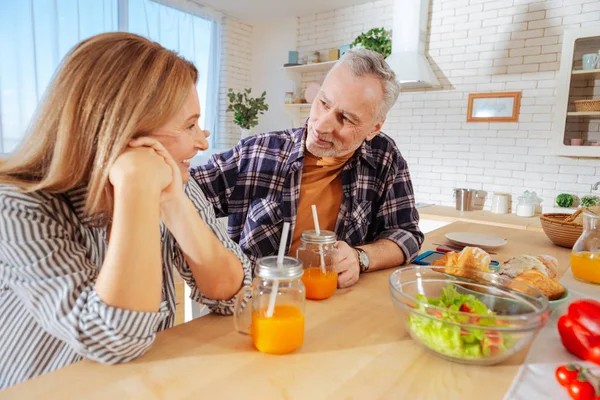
(257,185)
(50,314)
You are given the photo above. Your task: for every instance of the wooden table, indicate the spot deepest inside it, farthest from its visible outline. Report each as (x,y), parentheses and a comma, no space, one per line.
(355,348)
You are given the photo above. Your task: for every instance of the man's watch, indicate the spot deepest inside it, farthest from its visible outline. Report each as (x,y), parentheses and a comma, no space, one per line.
(363,259)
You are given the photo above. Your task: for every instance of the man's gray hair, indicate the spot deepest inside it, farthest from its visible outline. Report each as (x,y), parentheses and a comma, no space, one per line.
(368,62)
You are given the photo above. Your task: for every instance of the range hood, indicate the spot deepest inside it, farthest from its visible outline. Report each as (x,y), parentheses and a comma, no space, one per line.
(409,34)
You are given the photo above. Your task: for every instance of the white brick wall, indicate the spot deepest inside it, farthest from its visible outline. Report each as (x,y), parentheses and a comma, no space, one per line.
(478,46)
(236,70)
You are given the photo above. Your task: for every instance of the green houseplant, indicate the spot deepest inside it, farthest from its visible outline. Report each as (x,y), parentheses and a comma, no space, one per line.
(564,200)
(376,39)
(246,108)
(589,201)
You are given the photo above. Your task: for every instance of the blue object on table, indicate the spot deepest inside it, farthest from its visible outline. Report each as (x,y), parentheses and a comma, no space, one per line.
(292,57)
(430,256)
(344,48)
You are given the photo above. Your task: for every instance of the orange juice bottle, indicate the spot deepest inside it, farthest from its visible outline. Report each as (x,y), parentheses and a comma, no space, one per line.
(319,257)
(585,257)
(271,311)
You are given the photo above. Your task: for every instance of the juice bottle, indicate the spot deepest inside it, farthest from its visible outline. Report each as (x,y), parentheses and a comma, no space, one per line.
(585,257)
(319,257)
(271,310)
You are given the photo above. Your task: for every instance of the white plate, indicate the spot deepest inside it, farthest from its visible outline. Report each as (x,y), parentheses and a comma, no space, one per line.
(475,240)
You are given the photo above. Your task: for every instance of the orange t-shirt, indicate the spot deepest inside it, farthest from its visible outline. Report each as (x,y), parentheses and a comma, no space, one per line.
(321,185)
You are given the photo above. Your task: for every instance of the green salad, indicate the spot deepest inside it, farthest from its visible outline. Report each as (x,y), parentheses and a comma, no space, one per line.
(453,340)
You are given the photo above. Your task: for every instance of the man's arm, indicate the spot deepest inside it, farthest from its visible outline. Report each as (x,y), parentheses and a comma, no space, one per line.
(383,253)
(398,238)
(396,222)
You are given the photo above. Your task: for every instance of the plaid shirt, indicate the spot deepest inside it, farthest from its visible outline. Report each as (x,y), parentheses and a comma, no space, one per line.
(257,185)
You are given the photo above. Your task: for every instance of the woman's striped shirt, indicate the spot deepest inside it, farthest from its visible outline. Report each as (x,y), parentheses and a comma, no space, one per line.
(50,314)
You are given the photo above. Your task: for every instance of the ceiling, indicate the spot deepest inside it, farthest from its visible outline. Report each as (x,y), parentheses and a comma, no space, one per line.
(264,10)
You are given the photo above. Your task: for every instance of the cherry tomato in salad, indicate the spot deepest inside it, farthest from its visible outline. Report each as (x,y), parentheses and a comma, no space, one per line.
(565,374)
(581,390)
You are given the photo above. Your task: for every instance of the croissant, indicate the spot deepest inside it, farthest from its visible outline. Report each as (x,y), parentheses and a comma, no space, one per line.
(548,286)
(458,264)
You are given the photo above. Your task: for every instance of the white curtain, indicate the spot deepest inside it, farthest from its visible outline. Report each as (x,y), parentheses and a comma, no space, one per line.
(36,34)
(194,38)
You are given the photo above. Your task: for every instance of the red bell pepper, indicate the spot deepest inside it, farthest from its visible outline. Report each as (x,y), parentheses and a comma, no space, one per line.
(579,330)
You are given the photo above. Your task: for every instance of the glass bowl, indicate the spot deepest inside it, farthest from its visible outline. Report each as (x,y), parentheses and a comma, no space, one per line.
(501,317)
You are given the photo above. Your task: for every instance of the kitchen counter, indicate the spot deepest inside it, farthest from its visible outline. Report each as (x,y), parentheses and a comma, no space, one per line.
(355,348)
(450,214)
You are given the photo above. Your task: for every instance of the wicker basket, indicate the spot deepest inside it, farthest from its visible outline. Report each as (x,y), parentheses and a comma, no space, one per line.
(587,105)
(561,233)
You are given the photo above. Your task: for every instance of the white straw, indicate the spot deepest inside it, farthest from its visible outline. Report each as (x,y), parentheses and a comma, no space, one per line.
(318,231)
(282,244)
(275,289)
(316,219)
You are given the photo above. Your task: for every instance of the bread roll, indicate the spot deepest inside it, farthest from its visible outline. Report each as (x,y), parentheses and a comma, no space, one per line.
(523,263)
(548,286)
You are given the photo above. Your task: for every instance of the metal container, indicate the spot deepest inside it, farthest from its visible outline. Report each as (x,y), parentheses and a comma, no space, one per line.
(465,199)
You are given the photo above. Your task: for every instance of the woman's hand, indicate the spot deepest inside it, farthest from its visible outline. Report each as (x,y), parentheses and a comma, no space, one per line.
(174,190)
(142,167)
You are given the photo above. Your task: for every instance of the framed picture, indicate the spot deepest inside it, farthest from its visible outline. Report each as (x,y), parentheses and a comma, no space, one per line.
(494,107)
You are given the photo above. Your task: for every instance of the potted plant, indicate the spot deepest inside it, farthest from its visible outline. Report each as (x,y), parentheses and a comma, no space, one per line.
(565,200)
(376,39)
(589,201)
(246,109)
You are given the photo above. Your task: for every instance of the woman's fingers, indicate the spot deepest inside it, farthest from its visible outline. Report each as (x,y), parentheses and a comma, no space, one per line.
(145,141)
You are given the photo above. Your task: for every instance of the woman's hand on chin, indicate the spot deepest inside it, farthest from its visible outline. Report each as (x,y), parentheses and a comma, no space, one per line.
(172,193)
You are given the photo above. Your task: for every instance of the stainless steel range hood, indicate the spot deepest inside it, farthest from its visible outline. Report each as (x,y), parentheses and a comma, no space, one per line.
(409,34)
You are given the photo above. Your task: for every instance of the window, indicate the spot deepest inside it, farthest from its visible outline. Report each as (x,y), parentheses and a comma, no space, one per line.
(36,35)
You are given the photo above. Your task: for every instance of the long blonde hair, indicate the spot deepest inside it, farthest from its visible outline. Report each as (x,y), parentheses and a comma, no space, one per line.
(110,88)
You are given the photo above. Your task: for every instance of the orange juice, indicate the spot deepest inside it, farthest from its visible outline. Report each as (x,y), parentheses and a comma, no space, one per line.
(319,285)
(586,266)
(280,334)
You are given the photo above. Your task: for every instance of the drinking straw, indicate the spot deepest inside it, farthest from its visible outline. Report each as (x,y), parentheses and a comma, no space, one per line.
(316,219)
(275,289)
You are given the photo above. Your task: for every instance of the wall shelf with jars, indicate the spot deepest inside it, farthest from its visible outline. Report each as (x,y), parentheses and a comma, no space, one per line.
(577,123)
(301,75)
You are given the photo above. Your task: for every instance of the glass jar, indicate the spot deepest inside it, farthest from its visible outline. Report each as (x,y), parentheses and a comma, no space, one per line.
(289,98)
(526,204)
(585,257)
(282,330)
(319,257)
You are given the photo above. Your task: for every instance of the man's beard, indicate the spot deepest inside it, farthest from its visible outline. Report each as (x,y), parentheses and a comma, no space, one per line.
(321,152)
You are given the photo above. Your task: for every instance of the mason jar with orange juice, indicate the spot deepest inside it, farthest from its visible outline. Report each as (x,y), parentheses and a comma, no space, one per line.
(585,257)
(271,310)
(319,257)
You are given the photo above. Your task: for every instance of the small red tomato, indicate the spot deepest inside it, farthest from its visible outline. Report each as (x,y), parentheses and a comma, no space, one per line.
(566,374)
(579,390)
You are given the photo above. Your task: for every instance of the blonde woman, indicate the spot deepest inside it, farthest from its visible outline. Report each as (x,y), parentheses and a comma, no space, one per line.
(86,267)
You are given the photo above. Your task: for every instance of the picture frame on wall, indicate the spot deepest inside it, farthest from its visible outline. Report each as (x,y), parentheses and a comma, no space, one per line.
(494,107)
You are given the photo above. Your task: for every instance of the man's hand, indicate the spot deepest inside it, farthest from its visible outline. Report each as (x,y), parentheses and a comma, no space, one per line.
(347,265)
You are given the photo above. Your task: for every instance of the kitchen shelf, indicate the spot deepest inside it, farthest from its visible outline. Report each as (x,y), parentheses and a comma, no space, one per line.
(313,67)
(586,73)
(303,105)
(294,73)
(588,37)
(584,114)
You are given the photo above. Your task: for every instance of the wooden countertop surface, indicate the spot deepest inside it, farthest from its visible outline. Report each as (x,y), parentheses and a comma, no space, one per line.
(450,214)
(355,348)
